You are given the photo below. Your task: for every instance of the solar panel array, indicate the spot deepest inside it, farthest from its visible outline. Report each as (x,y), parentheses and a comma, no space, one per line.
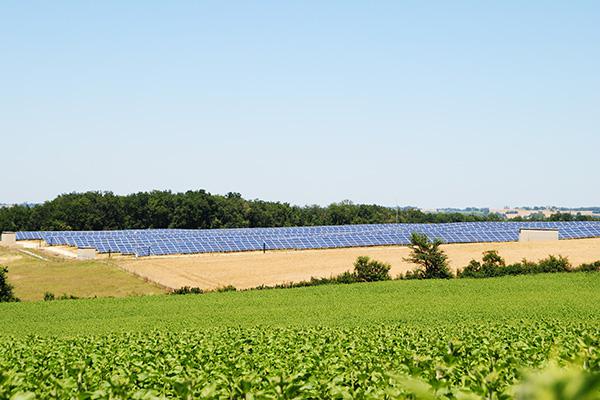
(189,241)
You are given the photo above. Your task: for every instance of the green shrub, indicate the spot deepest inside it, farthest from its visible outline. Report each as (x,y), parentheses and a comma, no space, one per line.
(591,267)
(554,264)
(6,289)
(432,261)
(49,296)
(491,257)
(473,270)
(493,265)
(345,277)
(228,288)
(416,274)
(367,270)
(65,296)
(550,264)
(187,290)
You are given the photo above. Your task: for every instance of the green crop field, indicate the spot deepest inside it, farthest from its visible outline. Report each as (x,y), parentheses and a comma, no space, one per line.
(401,339)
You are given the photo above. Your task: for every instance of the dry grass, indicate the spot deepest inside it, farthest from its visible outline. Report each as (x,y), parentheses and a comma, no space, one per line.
(33,277)
(244,270)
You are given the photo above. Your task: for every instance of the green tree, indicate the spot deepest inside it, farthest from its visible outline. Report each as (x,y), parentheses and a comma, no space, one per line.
(431,260)
(6,289)
(201,209)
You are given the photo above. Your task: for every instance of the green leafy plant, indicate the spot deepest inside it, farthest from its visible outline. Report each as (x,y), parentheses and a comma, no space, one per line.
(483,360)
(557,383)
(459,339)
(227,288)
(187,290)
(367,270)
(65,296)
(493,265)
(6,289)
(431,260)
(49,296)
(590,267)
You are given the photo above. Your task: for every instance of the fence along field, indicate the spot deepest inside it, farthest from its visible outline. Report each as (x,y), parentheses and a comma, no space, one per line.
(432,339)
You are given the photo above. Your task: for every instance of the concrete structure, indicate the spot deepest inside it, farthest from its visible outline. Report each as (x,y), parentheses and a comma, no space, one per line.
(86,253)
(8,239)
(538,235)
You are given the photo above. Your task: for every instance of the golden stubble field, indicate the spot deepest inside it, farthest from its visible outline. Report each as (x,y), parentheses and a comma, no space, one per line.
(251,269)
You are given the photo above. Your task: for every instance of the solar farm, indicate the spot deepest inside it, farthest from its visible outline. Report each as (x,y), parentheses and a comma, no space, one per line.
(154,242)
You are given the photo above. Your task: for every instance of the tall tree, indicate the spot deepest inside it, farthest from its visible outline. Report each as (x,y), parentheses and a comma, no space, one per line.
(431,260)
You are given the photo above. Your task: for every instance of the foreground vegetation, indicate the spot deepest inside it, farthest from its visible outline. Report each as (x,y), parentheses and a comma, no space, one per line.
(567,297)
(459,338)
(486,360)
(200,209)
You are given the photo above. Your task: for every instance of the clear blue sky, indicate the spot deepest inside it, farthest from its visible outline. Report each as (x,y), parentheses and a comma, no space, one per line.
(419,103)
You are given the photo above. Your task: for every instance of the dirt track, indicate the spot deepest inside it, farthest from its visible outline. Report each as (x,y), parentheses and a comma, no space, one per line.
(244,270)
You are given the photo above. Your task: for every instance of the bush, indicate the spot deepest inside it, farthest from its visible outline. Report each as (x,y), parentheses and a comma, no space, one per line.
(49,296)
(345,277)
(416,274)
(6,289)
(367,270)
(473,270)
(591,267)
(525,267)
(554,264)
(228,288)
(492,258)
(493,265)
(65,296)
(432,261)
(187,290)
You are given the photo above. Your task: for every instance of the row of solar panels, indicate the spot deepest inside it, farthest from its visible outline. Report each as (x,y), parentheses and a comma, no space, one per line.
(349,228)
(186,241)
(320,230)
(301,232)
(194,245)
(450,236)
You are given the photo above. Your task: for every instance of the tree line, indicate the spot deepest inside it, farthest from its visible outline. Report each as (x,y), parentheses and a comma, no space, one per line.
(201,209)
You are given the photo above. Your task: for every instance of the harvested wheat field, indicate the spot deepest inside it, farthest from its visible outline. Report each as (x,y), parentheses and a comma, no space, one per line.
(246,270)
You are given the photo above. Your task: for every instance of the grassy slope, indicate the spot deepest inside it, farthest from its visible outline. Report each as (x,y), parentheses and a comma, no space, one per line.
(33,277)
(570,298)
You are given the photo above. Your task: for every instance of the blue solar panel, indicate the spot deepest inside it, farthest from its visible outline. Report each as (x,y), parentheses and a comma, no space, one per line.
(188,241)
